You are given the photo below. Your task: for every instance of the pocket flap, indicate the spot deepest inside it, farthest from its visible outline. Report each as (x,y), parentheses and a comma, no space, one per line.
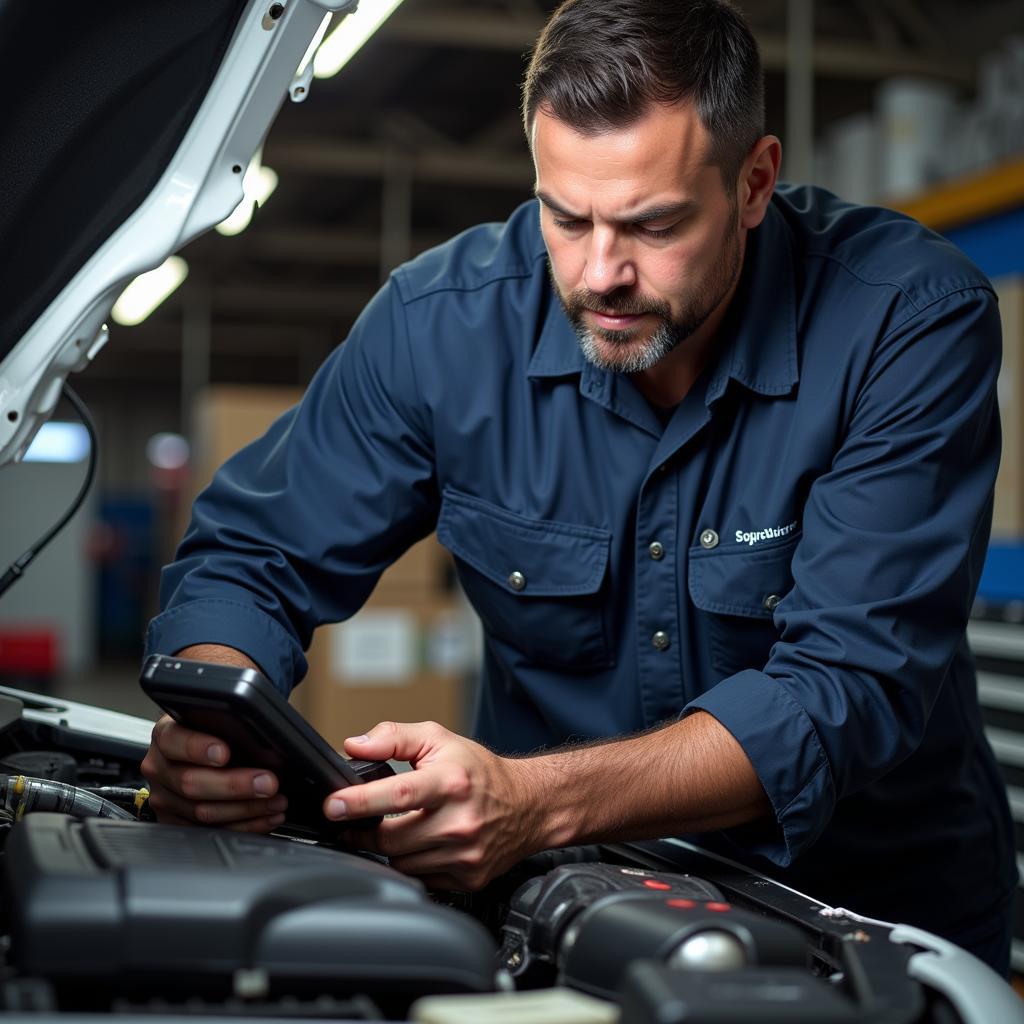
(528,557)
(749,583)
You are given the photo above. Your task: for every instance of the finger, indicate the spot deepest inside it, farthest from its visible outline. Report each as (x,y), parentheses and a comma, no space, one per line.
(177,743)
(433,861)
(388,840)
(257,824)
(195,783)
(166,802)
(407,791)
(401,741)
(412,833)
(172,819)
(226,812)
(440,867)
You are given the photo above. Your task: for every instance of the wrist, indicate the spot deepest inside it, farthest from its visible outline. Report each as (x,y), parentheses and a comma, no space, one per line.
(553,813)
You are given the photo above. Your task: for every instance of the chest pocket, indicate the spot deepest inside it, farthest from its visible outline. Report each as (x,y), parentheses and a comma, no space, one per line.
(737,592)
(537,585)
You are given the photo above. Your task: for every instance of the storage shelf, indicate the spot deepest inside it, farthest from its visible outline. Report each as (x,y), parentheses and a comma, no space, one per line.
(972,198)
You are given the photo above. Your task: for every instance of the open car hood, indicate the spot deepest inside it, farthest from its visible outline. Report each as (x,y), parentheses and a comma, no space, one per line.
(127,130)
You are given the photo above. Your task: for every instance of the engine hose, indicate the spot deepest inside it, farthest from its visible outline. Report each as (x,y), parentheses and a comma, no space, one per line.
(24,795)
(126,797)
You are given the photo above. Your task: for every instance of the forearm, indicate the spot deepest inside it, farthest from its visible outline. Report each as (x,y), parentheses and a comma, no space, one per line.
(691,776)
(217,654)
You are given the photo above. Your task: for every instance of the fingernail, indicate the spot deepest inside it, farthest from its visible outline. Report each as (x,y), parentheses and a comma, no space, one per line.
(336,808)
(216,753)
(275,820)
(278,803)
(263,785)
(358,739)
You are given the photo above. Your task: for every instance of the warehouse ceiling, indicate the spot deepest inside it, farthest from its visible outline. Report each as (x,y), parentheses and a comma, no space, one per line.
(419,138)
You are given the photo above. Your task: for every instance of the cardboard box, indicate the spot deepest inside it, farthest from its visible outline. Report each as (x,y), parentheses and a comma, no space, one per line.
(406,662)
(227,417)
(1008,514)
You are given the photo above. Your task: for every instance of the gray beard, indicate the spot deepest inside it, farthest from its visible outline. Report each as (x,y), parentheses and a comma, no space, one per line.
(627,358)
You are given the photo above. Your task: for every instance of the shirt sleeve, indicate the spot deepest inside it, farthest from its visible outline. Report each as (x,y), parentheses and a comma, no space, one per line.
(295,529)
(894,540)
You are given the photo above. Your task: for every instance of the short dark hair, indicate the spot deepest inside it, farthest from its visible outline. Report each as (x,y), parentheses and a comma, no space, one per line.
(600,64)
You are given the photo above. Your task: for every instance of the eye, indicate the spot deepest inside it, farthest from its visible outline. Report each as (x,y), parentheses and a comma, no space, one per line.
(567,225)
(656,232)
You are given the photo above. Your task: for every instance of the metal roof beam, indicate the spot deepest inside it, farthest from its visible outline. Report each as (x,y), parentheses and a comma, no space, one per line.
(455,165)
(841,58)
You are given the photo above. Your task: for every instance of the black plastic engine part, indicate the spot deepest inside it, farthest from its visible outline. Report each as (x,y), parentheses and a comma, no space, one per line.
(688,935)
(130,909)
(653,993)
(543,908)
(42,764)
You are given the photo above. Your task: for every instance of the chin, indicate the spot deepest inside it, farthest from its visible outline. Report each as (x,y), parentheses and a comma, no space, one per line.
(619,351)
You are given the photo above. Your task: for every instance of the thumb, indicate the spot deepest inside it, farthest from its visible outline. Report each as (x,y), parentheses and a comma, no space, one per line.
(398,741)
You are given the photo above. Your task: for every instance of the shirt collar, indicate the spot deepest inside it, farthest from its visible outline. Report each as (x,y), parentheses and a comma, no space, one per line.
(758,341)
(558,352)
(759,345)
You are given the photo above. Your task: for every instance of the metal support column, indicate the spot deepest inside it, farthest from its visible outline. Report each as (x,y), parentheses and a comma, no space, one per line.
(798,142)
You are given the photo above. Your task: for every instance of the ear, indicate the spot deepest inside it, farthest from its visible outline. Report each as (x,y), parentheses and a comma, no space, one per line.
(757,180)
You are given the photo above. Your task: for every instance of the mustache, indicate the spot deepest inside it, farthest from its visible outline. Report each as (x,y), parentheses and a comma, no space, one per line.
(619,303)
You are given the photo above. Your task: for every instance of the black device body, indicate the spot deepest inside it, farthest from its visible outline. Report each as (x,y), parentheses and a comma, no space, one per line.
(262,730)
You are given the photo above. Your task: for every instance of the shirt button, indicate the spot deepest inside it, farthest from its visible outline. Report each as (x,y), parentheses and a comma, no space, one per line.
(660,640)
(771,602)
(656,551)
(709,539)
(516,580)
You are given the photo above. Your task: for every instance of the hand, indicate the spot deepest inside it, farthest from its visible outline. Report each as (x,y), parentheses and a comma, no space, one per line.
(471,814)
(189,784)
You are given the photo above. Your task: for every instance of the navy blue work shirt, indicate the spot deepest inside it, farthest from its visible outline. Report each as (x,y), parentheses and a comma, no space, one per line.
(794,552)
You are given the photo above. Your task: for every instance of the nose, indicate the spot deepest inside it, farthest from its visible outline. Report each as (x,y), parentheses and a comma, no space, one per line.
(608,265)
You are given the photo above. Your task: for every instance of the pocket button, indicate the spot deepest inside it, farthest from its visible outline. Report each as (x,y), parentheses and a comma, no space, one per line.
(771,602)
(708,539)
(516,580)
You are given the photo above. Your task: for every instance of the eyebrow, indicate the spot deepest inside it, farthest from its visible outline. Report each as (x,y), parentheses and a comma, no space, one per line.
(640,217)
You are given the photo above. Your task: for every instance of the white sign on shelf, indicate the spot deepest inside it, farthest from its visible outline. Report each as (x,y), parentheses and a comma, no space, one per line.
(379,647)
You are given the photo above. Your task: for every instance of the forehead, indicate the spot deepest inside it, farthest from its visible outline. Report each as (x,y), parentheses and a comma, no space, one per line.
(666,151)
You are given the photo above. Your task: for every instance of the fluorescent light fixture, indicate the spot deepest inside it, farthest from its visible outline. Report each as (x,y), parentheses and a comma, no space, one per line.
(147,291)
(257,186)
(59,442)
(352,31)
(314,45)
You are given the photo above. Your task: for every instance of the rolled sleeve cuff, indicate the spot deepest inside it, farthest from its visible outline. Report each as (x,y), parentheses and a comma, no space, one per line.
(778,736)
(233,624)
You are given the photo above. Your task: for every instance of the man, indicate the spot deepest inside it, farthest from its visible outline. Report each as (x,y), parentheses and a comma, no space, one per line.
(715,463)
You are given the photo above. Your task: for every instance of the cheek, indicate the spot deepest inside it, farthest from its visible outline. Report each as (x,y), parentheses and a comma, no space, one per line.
(670,273)
(567,260)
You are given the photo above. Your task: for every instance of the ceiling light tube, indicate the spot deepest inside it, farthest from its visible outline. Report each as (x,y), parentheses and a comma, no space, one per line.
(353,30)
(148,290)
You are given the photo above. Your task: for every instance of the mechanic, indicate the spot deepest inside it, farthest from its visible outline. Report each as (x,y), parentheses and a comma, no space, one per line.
(715,461)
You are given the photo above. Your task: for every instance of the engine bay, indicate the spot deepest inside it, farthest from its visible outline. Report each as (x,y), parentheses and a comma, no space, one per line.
(104,911)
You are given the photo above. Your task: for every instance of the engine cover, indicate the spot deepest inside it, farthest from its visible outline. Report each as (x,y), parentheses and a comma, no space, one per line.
(191,911)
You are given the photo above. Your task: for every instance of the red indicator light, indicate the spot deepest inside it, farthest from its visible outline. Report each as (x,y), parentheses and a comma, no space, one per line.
(650,883)
(717,907)
(681,904)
